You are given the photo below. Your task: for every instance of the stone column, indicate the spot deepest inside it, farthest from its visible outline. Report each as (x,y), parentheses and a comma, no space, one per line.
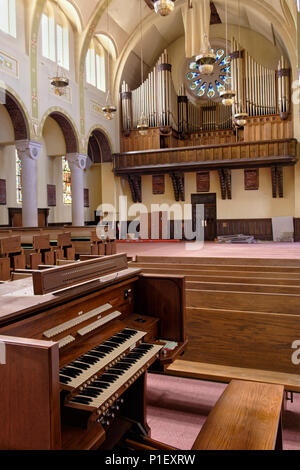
(29,152)
(77,163)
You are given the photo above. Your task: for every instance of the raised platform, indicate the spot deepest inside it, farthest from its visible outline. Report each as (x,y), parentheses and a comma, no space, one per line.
(266,250)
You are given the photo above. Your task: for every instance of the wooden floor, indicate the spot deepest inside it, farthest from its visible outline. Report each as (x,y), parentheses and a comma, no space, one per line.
(214,250)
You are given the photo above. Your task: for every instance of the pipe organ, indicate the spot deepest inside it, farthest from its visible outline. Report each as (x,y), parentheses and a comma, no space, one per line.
(259,90)
(209,116)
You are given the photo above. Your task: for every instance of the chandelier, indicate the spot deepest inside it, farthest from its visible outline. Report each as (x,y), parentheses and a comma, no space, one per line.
(207,58)
(229,94)
(142,124)
(60,83)
(164,7)
(240,119)
(109,109)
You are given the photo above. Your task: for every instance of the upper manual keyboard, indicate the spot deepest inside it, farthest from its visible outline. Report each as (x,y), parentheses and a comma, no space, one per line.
(90,364)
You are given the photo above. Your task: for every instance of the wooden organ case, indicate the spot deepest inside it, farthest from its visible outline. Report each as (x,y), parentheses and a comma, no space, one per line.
(75,345)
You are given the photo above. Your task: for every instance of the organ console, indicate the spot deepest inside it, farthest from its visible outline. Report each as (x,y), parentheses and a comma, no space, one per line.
(74,357)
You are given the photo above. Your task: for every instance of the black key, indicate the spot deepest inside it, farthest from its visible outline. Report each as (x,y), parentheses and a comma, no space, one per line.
(122,366)
(79,365)
(88,360)
(82,400)
(70,373)
(64,380)
(117,371)
(145,346)
(108,378)
(96,354)
(109,343)
(129,332)
(89,393)
(104,349)
(100,384)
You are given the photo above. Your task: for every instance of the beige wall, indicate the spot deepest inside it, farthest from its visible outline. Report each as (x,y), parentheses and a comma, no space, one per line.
(244,204)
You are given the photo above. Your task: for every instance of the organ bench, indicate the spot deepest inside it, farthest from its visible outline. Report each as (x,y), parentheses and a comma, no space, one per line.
(76,342)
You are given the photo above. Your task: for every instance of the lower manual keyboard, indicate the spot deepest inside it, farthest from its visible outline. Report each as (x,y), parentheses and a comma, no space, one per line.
(81,370)
(107,388)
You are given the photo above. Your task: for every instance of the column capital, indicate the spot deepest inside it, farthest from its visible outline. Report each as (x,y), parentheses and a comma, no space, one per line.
(77,160)
(28,148)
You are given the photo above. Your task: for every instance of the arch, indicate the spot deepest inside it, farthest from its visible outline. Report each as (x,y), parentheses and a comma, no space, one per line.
(17,112)
(67,126)
(99,146)
(108,43)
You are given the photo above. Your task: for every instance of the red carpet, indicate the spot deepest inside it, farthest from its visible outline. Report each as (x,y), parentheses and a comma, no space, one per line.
(178,407)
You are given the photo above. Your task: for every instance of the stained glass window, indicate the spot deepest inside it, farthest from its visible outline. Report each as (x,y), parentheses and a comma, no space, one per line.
(18,179)
(220,76)
(67,190)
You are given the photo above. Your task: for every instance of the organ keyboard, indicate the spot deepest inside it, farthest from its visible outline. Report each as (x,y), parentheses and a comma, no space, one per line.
(76,359)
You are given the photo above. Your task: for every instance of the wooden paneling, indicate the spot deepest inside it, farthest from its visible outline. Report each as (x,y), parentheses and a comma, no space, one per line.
(208,157)
(242,339)
(297,229)
(3,192)
(252,302)
(261,229)
(30,412)
(267,128)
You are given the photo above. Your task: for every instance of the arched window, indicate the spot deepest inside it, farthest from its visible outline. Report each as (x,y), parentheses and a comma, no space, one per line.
(8,17)
(95,66)
(67,190)
(55,37)
(210,86)
(19,179)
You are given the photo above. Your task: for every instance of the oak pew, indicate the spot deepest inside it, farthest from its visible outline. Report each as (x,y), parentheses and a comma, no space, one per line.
(11,255)
(226,344)
(253,301)
(248,416)
(244,287)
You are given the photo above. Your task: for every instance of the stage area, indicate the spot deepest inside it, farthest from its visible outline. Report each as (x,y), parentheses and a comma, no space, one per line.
(268,250)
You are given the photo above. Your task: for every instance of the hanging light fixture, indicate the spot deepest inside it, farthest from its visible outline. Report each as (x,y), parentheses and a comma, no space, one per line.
(109,109)
(142,124)
(207,58)
(60,82)
(164,7)
(240,118)
(227,95)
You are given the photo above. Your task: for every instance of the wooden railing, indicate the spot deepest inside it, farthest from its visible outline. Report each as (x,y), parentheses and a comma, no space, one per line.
(268,149)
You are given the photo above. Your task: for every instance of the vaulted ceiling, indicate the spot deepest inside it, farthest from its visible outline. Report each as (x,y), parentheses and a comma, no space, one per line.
(265,17)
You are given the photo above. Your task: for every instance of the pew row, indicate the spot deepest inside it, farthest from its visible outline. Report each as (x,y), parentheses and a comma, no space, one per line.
(248,416)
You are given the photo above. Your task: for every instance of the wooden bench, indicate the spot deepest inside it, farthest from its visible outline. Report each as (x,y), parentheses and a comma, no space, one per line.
(247,416)
(11,255)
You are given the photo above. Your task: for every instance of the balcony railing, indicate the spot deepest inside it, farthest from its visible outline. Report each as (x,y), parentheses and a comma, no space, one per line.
(261,153)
